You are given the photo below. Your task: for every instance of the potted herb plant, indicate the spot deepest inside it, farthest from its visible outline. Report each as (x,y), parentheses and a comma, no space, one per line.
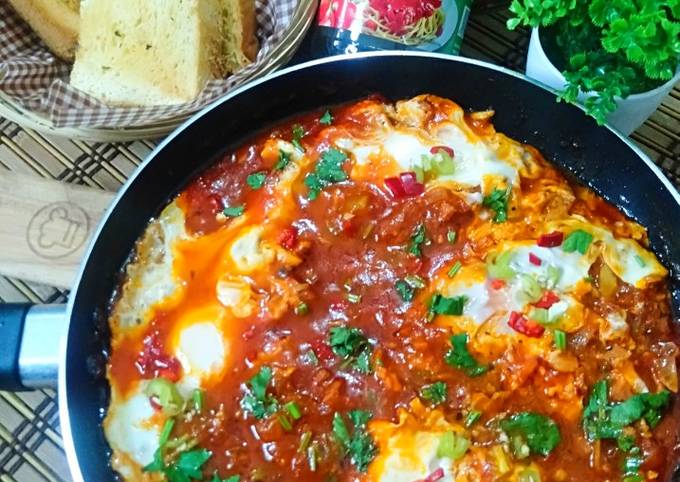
(619,58)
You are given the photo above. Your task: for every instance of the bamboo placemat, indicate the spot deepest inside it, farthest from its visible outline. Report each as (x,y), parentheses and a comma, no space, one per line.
(30,445)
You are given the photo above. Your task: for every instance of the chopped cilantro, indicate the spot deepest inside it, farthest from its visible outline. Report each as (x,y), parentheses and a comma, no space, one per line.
(604,420)
(533,430)
(351,345)
(472,417)
(256,400)
(418,238)
(328,171)
(187,467)
(578,240)
(441,305)
(284,160)
(326,119)
(434,393)
(256,179)
(357,445)
(497,201)
(234,211)
(405,290)
(459,357)
(298,134)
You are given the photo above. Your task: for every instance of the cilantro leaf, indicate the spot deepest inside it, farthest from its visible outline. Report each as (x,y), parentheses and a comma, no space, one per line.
(351,345)
(497,201)
(434,393)
(256,400)
(326,119)
(578,240)
(284,160)
(442,305)
(405,290)
(540,433)
(459,357)
(357,445)
(256,179)
(234,211)
(604,420)
(327,171)
(233,478)
(418,238)
(298,134)
(190,463)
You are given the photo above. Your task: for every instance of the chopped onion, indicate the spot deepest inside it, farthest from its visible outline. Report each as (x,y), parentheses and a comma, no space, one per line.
(664,365)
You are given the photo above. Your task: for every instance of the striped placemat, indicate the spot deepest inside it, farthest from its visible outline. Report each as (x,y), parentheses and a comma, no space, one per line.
(30,445)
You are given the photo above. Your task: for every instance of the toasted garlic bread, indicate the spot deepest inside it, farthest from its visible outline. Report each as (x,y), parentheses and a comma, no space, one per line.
(160,52)
(55,21)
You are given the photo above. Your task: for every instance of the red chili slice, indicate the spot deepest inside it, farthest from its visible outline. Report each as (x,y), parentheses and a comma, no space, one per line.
(523,325)
(288,237)
(547,300)
(406,185)
(152,362)
(533,259)
(446,149)
(322,350)
(551,240)
(434,476)
(497,283)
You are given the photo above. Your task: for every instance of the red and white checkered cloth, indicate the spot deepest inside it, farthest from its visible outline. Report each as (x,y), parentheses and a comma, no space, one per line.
(36,79)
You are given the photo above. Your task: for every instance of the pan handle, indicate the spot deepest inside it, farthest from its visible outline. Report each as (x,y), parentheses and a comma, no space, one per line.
(30,341)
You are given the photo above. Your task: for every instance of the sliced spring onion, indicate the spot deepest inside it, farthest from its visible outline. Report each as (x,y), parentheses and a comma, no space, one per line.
(234,211)
(499,266)
(640,261)
(529,475)
(451,236)
(301,308)
(198,398)
(311,358)
(166,394)
(540,315)
(452,445)
(312,456)
(530,287)
(415,281)
(554,275)
(285,422)
(293,409)
(454,269)
(353,298)
(166,431)
(472,417)
(519,447)
(304,441)
(560,339)
(501,457)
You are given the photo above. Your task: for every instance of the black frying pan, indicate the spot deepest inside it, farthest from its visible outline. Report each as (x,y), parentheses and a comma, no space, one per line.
(596,156)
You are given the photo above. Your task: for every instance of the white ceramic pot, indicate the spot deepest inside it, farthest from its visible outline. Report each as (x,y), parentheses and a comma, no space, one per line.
(631,112)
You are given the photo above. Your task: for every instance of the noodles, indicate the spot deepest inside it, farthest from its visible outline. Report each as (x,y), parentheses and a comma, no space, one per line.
(425,29)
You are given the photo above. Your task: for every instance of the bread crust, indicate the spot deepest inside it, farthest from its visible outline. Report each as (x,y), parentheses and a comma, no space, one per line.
(55,21)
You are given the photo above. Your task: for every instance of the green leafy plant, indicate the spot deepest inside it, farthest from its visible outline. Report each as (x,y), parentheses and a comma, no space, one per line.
(612,48)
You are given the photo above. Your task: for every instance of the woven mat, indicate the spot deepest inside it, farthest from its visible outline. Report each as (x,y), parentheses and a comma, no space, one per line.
(30,444)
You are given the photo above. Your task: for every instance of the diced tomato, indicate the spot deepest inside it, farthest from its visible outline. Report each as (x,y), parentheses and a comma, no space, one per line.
(152,362)
(406,185)
(551,240)
(288,237)
(547,300)
(497,284)
(533,259)
(446,149)
(525,326)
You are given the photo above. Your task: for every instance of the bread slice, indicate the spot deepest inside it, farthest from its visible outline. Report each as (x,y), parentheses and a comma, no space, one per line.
(160,52)
(55,21)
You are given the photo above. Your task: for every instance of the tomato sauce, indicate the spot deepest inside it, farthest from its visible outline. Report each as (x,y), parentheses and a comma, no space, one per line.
(351,240)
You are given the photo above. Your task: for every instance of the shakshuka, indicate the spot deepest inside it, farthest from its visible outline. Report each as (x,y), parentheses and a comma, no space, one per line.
(391,292)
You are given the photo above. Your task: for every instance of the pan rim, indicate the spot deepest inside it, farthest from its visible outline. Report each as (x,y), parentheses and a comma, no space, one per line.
(64,412)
